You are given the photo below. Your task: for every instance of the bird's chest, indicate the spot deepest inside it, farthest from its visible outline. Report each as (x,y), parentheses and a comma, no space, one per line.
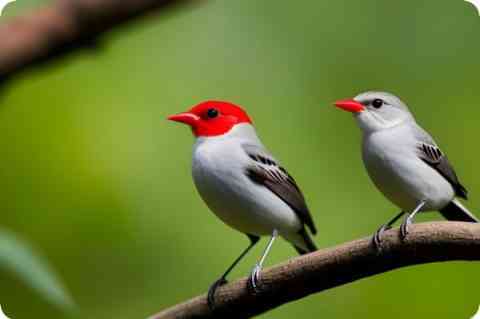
(216,171)
(391,165)
(381,158)
(219,175)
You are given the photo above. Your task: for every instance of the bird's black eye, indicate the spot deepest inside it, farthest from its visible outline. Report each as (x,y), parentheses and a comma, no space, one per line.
(377,103)
(212,113)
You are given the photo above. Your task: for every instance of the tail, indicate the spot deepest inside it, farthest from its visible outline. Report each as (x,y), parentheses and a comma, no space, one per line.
(456,211)
(308,243)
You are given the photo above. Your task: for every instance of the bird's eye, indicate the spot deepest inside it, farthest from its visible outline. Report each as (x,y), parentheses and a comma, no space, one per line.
(377,103)
(212,113)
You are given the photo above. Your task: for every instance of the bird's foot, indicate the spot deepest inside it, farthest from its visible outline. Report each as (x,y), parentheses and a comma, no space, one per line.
(404,228)
(377,237)
(211,292)
(255,279)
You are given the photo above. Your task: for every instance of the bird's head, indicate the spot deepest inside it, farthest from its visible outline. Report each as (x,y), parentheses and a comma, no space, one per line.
(212,118)
(375,111)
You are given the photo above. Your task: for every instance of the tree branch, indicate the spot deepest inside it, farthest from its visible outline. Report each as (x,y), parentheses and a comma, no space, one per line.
(333,267)
(65,26)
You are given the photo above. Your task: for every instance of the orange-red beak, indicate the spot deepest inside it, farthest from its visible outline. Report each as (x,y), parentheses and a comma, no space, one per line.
(186,118)
(350,106)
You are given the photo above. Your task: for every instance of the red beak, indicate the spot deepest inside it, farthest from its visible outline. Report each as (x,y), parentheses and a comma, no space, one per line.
(350,106)
(186,117)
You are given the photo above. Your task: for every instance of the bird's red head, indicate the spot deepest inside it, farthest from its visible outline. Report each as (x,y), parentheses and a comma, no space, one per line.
(212,118)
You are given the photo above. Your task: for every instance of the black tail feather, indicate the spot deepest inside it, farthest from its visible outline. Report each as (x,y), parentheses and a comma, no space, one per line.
(456,212)
(308,242)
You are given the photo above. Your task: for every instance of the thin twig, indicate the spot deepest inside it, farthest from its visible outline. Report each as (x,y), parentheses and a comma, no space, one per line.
(64,26)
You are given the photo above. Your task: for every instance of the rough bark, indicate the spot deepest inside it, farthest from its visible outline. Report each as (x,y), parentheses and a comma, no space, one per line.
(64,26)
(333,267)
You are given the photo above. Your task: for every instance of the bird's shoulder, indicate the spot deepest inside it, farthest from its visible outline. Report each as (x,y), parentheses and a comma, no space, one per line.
(262,161)
(425,146)
(265,170)
(429,152)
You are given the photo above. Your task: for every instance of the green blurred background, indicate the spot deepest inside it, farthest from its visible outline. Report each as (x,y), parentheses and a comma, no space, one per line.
(96,179)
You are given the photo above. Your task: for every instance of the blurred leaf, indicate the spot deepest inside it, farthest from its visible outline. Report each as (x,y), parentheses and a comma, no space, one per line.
(17,257)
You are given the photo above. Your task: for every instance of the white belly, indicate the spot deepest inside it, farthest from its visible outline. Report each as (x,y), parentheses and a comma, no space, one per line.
(218,173)
(402,177)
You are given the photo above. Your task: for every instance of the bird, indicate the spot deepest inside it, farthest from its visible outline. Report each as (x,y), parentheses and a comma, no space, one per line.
(404,162)
(243,184)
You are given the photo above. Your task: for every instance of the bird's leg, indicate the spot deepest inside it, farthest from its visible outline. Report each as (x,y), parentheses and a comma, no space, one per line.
(255,276)
(409,220)
(223,280)
(378,234)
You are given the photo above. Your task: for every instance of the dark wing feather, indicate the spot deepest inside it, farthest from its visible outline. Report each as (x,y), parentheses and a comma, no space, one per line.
(434,157)
(265,171)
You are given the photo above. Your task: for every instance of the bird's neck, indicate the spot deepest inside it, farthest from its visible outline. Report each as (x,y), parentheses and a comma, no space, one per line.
(240,134)
(242,131)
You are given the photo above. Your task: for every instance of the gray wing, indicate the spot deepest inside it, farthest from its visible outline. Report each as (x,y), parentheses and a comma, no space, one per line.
(264,170)
(431,154)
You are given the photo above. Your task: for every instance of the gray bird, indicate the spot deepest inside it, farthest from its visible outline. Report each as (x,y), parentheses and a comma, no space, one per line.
(404,162)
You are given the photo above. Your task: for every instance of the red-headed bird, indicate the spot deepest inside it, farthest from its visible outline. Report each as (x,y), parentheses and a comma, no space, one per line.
(243,184)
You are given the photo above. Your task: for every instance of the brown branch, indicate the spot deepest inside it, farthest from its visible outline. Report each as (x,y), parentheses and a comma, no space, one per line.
(333,267)
(64,26)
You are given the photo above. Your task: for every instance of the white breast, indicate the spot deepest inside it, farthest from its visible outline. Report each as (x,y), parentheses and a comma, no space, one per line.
(218,171)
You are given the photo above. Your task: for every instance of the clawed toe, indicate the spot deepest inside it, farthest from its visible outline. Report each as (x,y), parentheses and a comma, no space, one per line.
(211,291)
(255,279)
(377,237)
(404,229)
